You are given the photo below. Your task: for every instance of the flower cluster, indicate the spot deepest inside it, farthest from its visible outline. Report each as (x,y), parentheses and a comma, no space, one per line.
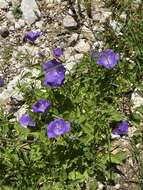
(54,77)
(56,128)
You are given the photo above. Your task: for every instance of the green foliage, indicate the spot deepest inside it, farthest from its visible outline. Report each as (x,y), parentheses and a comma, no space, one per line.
(89,100)
(17,12)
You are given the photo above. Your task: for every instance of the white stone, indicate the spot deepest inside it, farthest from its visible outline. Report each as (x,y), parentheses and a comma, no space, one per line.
(13,90)
(73,37)
(3,4)
(68,52)
(123,16)
(21,22)
(39,24)
(27,49)
(4,97)
(72,61)
(116,27)
(17,25)
(82,46)
(113,136)
(11,28)
(10,17)
(101,15)
(100,186)
(53,1)
(30,11)
(117,186)
(87,33)
(21,111)
(69,22)
(136,99)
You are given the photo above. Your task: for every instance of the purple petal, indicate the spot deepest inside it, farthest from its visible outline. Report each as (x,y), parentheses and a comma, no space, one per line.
(41,106)
(54,73)
(57,52)
(1,82)
(108,59)
(26,121)
(54,79)
(57,128)
(51,65)
(121,129)
(32,36)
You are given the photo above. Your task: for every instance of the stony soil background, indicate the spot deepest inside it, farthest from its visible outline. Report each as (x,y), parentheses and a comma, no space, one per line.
(73,28)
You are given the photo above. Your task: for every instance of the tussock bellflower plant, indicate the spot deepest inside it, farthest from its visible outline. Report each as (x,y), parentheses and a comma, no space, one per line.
(57,52)
(57,128)
(32,36)
(108,59)
(121,129)
(41,106)
(26,121)
(54,73)
(1,82)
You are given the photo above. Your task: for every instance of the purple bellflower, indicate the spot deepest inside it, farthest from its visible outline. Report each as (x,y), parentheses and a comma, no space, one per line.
(121,129)
(26,121)
(57,52)
(41,106)
(54,73)
(32,36)
(108,59)
(1,82)
(57,128)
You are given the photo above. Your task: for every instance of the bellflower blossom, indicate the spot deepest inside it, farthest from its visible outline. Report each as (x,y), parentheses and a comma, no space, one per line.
(1,82)
(57,52)
(121,129)
(108,59)
(26,121)
(41,106)
(57,128)
(54,73)
(32,36)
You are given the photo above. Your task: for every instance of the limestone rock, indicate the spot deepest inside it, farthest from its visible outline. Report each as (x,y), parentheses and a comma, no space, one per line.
(30,11)
(3,4)
(136,99)
(72,61)
(69,22)
(82,46)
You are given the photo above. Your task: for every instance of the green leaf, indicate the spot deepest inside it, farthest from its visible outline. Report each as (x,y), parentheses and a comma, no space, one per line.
(118,158)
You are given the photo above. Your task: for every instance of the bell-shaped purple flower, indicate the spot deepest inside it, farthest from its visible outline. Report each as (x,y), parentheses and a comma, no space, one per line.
(41,106)
(27,121)
(57,128)
(32,36)
(57,52)
(121,129)
(54,73)
(108,59)
(1,82)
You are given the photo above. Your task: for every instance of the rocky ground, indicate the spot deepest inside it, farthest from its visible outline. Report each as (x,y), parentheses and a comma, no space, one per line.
(62,25)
